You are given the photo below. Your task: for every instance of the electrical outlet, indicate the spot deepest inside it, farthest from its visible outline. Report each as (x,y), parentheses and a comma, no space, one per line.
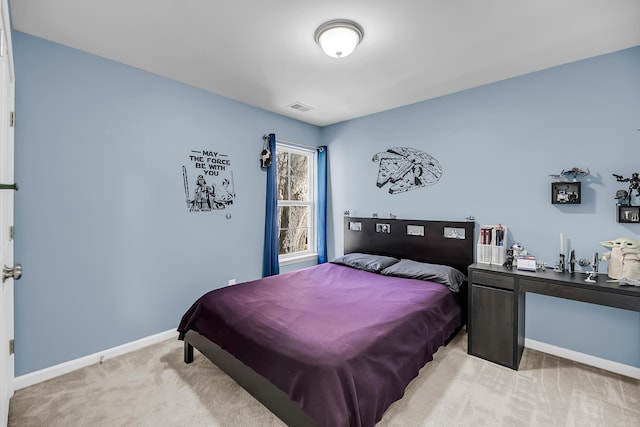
(232,282)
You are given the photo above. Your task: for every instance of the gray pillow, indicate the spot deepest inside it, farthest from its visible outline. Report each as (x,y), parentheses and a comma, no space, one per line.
(438,273)
(367,262)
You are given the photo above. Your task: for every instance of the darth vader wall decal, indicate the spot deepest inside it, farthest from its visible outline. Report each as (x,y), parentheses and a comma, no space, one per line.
(208,181)
(406,169)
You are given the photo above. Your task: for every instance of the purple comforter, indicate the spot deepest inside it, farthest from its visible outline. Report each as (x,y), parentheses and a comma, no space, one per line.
(343,343)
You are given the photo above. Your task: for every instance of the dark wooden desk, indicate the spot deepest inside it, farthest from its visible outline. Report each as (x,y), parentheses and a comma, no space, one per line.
(497,303)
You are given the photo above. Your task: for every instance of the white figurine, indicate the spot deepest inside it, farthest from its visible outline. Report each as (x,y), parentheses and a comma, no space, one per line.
(624,258)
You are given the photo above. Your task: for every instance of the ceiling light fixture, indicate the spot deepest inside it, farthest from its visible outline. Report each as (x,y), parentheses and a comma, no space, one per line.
(338,38)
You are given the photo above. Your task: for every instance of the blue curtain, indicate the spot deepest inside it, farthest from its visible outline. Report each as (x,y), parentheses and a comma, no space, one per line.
(322,204)
(270,265)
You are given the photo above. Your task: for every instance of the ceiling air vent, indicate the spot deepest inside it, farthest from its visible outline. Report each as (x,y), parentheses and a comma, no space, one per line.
(300,107)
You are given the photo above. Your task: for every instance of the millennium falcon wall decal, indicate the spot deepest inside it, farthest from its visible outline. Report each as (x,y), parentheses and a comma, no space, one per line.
(406,169)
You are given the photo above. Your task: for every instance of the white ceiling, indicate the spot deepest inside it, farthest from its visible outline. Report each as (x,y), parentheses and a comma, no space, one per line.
(263,53)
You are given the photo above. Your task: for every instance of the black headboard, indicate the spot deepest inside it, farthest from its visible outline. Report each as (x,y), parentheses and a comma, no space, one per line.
(434,247)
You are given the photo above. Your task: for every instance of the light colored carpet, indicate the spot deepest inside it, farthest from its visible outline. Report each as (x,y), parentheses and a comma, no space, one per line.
(153,387)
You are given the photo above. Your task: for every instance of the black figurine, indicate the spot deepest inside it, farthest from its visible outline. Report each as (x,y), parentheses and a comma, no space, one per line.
(634,184)
(509,259)
(572,261)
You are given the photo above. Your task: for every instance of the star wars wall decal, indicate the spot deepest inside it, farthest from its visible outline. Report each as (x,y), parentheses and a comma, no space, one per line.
(406,169)
(208,184)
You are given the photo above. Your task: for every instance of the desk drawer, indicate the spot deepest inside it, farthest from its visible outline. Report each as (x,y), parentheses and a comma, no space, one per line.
(493,280)
(594,295)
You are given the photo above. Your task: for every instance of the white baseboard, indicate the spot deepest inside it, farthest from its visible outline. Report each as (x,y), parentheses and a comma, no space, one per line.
(66,367)
(54,371)
(608,365)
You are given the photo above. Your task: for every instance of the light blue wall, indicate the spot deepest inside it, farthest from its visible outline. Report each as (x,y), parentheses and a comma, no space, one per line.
(111,254)
(109,250)
(497,145)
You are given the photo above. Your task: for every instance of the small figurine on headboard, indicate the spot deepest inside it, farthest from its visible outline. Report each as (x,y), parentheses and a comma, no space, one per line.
(634,184)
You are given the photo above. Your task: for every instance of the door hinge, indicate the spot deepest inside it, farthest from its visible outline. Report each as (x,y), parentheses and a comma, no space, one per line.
(11,232)
(11,346)
(12,119)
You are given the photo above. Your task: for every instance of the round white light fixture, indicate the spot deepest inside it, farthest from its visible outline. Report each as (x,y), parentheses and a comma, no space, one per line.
(338,38)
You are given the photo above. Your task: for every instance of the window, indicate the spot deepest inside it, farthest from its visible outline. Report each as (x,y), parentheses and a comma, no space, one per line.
(295,169)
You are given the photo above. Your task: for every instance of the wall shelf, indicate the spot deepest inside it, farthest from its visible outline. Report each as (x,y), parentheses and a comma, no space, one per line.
(628,214)
(566,193)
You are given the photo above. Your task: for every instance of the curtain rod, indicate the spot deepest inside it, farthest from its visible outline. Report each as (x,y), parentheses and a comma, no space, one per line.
(293,144)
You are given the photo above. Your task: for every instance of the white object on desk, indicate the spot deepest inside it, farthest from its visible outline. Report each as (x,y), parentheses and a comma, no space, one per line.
(527,262)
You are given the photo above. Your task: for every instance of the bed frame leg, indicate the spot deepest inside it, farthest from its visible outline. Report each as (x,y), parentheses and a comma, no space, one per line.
(188,352)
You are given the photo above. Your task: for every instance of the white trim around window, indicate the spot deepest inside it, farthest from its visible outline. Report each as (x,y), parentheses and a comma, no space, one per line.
(309,254)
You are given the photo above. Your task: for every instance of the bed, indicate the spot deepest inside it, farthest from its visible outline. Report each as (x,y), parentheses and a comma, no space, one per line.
(336,344)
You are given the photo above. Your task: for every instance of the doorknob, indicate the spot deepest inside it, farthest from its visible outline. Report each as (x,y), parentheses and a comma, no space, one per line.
(15,272)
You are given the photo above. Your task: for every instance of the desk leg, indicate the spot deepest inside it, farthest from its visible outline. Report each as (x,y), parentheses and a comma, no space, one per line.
(520,307)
